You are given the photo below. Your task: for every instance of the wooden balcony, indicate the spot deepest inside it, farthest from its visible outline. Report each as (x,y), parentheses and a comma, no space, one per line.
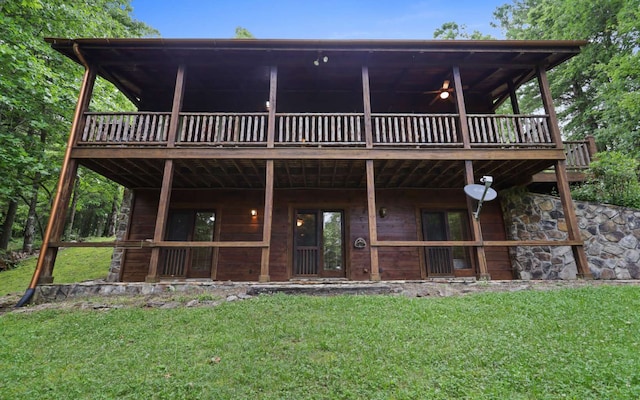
(317,129)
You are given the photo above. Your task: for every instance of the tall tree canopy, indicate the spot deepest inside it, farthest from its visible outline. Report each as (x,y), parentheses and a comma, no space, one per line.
(598,92)
(39,87)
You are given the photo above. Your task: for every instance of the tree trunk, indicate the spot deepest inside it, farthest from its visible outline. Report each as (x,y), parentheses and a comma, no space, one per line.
(113,217)
(30,225)
(7,226)
(72,211)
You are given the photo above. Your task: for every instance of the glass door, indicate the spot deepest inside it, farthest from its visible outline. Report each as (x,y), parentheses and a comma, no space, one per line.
(443,226)
(319,244)
(189,226)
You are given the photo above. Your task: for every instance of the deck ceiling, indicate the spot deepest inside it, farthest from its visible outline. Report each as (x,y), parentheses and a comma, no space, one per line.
(233,74)
(329,174)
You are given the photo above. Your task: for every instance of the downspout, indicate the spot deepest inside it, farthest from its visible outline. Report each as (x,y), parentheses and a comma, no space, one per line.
(63,171)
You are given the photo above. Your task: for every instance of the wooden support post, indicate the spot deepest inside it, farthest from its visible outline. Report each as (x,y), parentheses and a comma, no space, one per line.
(366,98)
(591,146)
(373,230)
(266,223)
(273,90)
(573,230)
(514,98)
(167,177)
(547,102)
(57,216)
(462,110)
(476,229)
(161,220)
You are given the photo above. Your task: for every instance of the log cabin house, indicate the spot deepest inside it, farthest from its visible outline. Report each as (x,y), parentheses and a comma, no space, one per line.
(276,160)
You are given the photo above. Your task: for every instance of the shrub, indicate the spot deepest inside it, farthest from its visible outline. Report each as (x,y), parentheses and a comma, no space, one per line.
(611,178)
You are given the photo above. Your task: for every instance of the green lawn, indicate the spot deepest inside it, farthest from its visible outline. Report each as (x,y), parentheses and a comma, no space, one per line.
(72,265)
(570,343)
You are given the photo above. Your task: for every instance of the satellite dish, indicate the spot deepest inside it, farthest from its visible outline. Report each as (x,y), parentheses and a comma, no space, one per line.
(481,193)
(476,192)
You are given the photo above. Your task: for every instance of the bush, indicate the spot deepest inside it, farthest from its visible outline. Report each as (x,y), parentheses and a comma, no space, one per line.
(612,178)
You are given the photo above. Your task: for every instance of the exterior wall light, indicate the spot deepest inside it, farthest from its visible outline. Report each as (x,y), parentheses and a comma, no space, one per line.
(383,212)
(254,212)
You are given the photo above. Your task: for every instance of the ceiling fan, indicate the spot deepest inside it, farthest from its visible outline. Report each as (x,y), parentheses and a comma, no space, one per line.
(443,93)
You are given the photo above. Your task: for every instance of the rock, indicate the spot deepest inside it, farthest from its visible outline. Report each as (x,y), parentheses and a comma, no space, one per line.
(170,305)
(607,274)
(629,242)
(192,303)
(232,298)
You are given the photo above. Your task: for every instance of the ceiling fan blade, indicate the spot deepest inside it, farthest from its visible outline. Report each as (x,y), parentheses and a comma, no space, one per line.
(445,84)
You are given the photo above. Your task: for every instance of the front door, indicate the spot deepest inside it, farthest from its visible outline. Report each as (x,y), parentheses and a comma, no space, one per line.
(319,244)
(189,226)
(443,226)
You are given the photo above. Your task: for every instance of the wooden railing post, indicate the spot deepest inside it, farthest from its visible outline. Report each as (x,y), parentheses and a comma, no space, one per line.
(591,145)
(273,90)
(373,229)
(462,110)
(267,222)
(547,102)
(366,99)
(167,177)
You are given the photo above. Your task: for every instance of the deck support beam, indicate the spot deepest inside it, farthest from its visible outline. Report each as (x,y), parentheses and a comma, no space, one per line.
(167,176)
(57,216)
(373,229)
(564,191)
(476,229)
(266,223)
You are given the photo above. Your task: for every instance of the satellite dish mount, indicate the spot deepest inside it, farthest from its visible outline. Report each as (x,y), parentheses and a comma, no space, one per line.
(481,193)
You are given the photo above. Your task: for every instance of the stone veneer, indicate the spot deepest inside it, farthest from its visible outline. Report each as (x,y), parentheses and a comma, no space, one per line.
(611,237)
(121,233)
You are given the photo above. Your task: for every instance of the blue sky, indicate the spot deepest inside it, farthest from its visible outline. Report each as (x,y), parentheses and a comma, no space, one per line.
(320,19)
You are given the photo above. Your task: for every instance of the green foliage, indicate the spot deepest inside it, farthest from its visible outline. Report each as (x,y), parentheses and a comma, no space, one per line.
(596,92)
(242,33)
(613,179)
(573,343)
(39,87)
(451,30)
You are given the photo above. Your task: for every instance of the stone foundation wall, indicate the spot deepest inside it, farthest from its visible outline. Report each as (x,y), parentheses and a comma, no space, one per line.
(611,235)
(121,231)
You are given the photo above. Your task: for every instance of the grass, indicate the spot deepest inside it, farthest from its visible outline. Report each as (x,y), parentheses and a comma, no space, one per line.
(72,265)
(571,343)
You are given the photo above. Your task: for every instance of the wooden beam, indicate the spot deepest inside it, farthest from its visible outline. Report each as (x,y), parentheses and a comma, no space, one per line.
(273,97)
(288,153)
(476,229)
(573,230)
(177,106)
(267,222)
(514,98)
(161,219)
(371,211)
(462,109)
(547,102)
(366,98)
(55,226)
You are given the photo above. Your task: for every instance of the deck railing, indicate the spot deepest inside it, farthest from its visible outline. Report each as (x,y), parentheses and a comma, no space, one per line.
(222,128)
(513,130)
(415,129)
(321,129)
(134,128)
(578,154)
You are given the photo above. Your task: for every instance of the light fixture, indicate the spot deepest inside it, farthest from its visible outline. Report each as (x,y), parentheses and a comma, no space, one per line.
(299,222)
(320,57)
(325,59)
(254,212)
(267,104)
(316,62)
(382,212)
(444,95)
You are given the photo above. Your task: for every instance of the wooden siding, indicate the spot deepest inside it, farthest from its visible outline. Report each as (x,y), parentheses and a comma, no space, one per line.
(401,223)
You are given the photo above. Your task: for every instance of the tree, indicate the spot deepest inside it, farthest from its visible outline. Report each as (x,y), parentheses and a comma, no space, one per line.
(451,30)
(597,92)
(38,90)
(242,33)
